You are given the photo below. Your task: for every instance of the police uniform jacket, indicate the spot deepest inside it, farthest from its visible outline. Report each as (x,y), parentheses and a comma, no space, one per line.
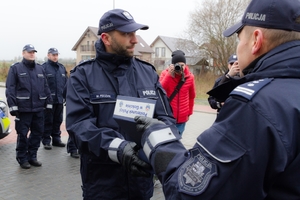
(212,100)
(214,104)
(92,90)
(26,88)
(57,78)
(252,150)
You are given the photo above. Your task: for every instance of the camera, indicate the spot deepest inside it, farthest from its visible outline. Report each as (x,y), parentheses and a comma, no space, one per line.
(178,67)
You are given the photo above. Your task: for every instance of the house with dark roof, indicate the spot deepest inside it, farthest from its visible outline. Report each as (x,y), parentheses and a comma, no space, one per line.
(85,46)
(163,47)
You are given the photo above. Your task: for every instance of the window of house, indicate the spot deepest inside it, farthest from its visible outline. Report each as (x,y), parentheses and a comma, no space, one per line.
(163,52)
(156,51)
(88,45)
(93,46)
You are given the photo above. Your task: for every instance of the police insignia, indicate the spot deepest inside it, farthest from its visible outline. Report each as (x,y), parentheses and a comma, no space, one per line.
(196,173)
(250,89)
(127,15)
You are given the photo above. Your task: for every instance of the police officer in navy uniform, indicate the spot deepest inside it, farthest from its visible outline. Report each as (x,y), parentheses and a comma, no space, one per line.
(232,73)
(57,78)
(252,150)
(28,94)
(112,166)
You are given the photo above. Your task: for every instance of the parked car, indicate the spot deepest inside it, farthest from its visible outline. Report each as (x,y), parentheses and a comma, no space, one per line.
(4,120)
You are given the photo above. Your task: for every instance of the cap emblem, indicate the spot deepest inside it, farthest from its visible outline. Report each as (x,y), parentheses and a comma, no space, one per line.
(127,15)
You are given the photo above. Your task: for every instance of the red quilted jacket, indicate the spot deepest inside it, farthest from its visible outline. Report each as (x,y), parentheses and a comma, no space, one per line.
(183,103)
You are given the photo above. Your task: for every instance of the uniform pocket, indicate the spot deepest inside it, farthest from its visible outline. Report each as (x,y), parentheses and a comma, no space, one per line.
(103,106)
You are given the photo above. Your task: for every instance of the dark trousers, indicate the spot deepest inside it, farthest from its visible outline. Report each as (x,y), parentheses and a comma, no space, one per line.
(27,147)
(53,120)
(71,148)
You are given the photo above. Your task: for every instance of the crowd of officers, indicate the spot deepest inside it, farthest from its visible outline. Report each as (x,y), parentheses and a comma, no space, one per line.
(35,96)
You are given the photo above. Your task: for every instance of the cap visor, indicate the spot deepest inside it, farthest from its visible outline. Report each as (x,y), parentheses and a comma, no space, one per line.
(31,51)
(233,29)
(128,28)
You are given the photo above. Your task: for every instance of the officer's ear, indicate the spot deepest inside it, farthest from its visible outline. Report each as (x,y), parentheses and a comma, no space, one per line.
(257,39)
(106,38)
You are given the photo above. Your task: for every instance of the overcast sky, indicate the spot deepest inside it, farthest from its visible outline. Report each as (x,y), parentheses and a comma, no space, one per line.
(60,23)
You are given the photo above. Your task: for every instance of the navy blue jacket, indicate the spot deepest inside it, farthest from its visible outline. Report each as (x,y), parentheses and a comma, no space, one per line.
(57,78)
(26,88)
(252,150)
(212,100)
(214,104)
(91,96)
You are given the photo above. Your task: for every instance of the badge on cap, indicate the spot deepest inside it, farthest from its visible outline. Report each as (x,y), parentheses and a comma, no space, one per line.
(127,15)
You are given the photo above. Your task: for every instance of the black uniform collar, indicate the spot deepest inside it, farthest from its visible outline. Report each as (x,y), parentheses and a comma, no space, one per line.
(117,61)
(28,63)
(52,63)
(252,65)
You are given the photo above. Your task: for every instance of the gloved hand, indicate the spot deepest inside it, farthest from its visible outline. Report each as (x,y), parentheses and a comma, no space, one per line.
(134,165)
(145,122)
(14,113)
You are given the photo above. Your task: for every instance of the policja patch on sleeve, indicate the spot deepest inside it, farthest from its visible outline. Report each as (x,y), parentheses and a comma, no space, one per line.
(195,174)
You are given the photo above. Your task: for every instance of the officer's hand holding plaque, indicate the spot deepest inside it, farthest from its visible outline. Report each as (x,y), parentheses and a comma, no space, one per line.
(126,109)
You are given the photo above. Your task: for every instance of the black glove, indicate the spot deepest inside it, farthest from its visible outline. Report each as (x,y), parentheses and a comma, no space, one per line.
(14,113)
(145,122)
(134,165)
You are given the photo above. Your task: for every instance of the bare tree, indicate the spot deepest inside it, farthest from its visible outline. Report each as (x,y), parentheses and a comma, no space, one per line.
(206,26)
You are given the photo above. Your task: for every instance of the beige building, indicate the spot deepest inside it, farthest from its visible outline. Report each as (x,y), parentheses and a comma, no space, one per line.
(164,46)
(85,46)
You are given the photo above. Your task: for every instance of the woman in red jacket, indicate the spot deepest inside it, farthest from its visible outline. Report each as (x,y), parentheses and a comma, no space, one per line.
(182,101)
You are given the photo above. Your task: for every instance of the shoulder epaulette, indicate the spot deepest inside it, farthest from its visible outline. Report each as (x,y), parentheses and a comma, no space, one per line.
(82,62)
(139,60)
(15,63)
(85,61)
(250,89)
